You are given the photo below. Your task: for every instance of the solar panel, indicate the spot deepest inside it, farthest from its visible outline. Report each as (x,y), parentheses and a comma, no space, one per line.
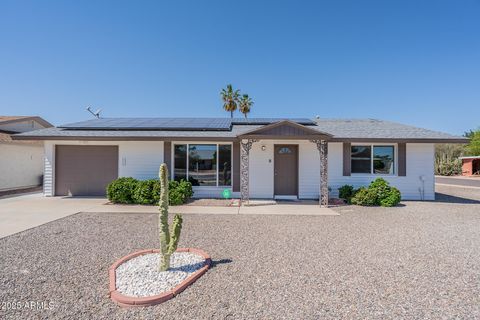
(209,124)
(197,124)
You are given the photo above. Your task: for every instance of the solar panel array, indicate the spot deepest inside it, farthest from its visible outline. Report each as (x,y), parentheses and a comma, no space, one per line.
(202,124)
(208,124)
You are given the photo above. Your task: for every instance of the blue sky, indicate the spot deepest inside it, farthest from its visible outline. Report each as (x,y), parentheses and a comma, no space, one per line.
(415,62)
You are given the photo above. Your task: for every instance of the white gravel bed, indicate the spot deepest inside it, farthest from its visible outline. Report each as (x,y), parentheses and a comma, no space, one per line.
(139,277)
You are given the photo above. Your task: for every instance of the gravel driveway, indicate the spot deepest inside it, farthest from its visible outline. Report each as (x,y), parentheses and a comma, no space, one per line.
(418,261)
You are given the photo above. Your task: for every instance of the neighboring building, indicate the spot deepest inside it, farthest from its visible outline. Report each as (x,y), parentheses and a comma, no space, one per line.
(255,158)
(470,166)
(21,161)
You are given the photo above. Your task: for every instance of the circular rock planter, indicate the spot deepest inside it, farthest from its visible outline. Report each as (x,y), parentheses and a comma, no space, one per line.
(136,281)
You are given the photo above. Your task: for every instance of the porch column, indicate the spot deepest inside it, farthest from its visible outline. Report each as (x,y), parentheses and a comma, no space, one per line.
(322,147)
(245,146)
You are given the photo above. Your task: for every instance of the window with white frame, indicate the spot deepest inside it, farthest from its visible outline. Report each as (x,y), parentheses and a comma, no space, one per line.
(373,159)
(203,164)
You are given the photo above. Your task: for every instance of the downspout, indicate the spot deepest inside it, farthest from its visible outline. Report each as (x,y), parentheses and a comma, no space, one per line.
(422,188)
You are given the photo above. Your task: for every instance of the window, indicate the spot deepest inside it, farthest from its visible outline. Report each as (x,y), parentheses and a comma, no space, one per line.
(373,159)
(180,160)
(361,159)
(203,164)
(225,165)
(383,159)
(284,150)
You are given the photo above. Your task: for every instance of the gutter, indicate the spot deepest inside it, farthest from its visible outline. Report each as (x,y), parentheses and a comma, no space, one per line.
(186,138)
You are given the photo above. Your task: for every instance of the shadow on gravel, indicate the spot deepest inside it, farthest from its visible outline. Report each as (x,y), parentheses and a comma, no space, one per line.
(221,261)
(442,197)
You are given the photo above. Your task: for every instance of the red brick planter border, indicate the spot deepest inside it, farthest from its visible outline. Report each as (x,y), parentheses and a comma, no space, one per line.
(127,301)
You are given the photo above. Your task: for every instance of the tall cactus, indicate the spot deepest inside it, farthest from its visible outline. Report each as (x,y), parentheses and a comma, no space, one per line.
(168,236)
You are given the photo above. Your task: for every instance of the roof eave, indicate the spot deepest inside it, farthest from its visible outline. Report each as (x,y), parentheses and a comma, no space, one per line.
(284,137)
(122,138)
(40,120)
(403,140)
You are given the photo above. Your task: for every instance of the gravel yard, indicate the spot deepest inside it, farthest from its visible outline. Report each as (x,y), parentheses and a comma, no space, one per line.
(418,261)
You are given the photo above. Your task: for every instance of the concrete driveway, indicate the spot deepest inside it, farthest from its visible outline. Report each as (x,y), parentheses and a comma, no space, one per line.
(28,211)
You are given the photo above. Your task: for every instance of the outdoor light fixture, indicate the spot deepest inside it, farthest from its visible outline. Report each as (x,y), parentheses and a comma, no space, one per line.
(264,148)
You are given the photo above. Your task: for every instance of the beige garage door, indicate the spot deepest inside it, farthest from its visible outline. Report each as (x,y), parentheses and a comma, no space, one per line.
(84,170)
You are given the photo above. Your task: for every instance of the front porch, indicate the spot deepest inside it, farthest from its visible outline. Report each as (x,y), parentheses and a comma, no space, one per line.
(284,160)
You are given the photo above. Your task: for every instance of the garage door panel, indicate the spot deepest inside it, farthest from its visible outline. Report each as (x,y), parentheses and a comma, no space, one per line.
(84,170)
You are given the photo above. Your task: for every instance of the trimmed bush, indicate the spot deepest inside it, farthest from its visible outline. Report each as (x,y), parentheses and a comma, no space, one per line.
(378,193)
(179,192)
(121,190)
(147,192)
(392,199)
(346,192)
(364,197)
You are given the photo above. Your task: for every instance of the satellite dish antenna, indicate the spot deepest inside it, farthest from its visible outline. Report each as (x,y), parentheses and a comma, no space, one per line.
(96,114)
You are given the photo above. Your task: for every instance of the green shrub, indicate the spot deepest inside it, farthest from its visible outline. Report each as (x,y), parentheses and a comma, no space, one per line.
(179,192)
(392,199)
(121,190)
(378,193)
(346,192)
(381,188)
(364,197)
(147,192)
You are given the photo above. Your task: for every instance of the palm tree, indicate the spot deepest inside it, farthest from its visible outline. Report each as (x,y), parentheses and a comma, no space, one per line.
(244,104)
(230,99)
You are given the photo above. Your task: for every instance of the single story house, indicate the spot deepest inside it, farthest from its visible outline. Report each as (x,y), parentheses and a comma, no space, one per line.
(255,158)
(21,161)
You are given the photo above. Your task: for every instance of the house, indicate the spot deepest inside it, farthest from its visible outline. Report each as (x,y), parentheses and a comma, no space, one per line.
(255,158)
(470,165)
(21,161)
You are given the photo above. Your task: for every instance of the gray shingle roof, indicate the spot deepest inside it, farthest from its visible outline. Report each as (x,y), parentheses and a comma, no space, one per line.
(375,129)
(347,129)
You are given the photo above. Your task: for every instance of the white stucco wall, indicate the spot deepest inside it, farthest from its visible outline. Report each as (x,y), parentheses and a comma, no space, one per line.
(142,159)
(20,165)
(420,162)
(139,160)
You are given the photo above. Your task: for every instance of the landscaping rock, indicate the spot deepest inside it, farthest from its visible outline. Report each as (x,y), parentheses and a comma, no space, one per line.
(139,277)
